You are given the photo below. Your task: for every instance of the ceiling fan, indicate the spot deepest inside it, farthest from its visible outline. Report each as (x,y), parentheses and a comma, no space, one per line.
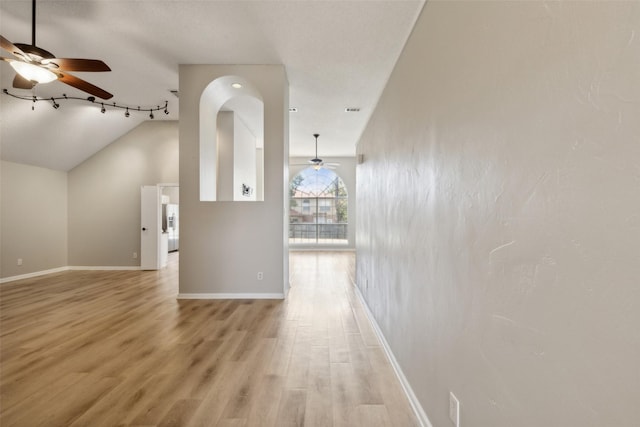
(316,162)
(35,65)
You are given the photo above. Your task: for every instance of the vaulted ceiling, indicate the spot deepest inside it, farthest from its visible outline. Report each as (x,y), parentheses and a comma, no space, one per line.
(337,54)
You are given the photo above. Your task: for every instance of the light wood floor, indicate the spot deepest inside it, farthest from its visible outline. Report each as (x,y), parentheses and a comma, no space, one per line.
(89,348)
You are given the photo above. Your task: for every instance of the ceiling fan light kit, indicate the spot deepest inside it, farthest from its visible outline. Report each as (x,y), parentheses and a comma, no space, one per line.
(33,73)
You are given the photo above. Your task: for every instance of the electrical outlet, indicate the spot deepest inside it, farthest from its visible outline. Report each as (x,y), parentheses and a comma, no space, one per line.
(260,275)
(135,255)
(19,261)
(454,409)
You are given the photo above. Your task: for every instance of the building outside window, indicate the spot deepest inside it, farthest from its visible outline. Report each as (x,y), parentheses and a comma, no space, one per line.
(318,208)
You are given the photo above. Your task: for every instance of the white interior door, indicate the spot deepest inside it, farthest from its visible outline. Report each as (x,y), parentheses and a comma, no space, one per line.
(150,223)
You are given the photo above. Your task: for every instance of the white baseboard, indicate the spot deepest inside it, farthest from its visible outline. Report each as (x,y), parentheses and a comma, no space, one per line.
(34,274)
(319,249)
(65,268)
(230,296)
(106,267)
(413,400)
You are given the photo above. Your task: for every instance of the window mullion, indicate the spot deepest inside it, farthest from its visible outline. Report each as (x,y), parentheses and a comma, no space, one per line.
(317,225)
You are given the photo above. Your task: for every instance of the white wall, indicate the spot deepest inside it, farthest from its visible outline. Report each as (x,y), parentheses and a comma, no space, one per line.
(499,212)
(244,156)
(33,217)
(104,194)
(173,192)
(224,245)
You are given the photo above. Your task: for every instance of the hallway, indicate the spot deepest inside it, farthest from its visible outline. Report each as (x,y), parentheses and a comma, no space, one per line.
(105,348)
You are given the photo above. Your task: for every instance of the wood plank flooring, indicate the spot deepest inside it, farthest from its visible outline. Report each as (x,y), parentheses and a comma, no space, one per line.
(115,348)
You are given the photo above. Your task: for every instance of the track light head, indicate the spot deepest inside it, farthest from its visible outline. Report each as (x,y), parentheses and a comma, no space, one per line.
(151,115)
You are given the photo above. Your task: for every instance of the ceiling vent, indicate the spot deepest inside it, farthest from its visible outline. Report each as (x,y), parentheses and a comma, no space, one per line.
(351,110)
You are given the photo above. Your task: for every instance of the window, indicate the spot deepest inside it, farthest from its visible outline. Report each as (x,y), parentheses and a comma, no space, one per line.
(318,202)
(324,205)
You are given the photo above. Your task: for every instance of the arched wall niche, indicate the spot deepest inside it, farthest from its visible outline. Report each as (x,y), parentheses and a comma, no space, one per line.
(231,113)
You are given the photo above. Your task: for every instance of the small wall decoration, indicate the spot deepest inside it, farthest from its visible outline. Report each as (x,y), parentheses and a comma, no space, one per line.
(246,190)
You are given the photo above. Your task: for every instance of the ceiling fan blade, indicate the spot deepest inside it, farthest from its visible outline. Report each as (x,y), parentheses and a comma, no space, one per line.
(22,83)
(77,64)
(10,47)
(84,86)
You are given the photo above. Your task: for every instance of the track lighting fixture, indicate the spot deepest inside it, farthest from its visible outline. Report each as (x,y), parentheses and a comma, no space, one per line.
(92,100)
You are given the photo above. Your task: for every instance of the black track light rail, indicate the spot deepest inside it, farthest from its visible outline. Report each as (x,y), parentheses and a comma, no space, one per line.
(91,99)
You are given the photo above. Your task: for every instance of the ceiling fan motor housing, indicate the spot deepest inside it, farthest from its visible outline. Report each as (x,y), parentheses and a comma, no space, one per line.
(33,53)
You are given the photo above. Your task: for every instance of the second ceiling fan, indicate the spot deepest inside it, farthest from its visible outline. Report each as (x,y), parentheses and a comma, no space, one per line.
(317,163)
(35,65)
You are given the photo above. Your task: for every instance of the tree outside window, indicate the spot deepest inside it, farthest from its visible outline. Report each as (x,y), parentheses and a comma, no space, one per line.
(318,203)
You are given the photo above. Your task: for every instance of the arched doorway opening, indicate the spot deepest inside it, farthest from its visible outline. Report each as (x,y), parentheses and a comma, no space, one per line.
(231,141)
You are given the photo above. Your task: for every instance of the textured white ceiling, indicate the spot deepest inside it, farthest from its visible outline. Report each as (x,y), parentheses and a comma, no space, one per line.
(337,54)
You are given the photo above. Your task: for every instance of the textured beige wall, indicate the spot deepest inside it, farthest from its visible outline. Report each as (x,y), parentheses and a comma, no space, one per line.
(499,212)
(223,245)
(104,194)
(34,219)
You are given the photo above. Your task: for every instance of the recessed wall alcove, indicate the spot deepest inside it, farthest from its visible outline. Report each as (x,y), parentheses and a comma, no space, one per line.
(231,141)
(230,249)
